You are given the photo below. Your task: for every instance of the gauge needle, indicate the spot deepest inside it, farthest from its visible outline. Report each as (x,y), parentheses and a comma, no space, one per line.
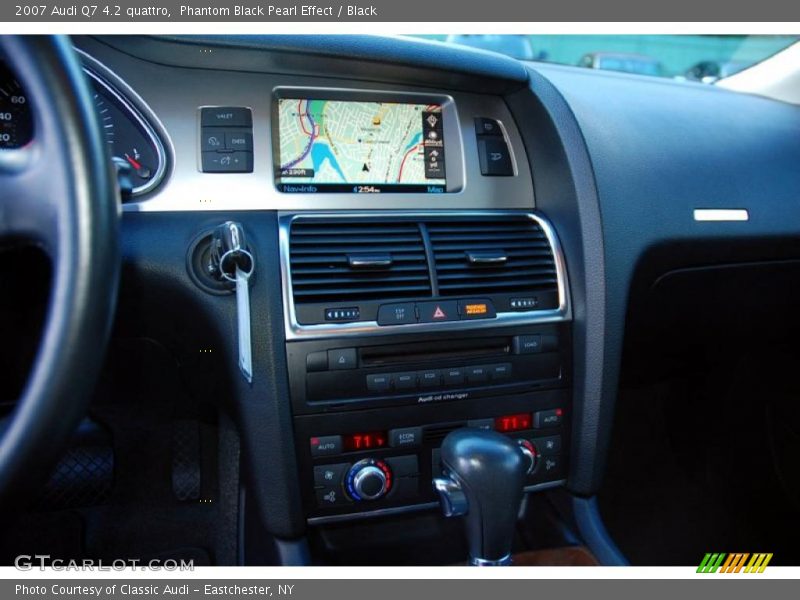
(134,163)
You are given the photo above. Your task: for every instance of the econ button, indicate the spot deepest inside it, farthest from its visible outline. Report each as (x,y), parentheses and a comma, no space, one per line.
(476,309)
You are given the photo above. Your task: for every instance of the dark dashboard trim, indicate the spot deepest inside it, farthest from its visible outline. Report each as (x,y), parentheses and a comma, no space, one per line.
(354,57)
(564,182)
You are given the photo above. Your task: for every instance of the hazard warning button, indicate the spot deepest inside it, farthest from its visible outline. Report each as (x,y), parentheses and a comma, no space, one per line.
(433,312)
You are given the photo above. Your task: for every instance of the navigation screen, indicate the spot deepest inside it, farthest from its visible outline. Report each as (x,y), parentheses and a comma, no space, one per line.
(359,147)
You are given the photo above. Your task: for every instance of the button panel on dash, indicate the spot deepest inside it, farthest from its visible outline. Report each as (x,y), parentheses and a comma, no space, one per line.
(226,139)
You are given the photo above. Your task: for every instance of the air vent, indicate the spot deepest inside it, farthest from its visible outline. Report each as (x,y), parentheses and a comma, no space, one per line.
(352,261)
(486,257)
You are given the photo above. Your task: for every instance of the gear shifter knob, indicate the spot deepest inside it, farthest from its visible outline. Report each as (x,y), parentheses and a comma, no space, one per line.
(485,476)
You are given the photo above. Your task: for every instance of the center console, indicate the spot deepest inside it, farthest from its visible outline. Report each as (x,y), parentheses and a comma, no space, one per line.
(463,320)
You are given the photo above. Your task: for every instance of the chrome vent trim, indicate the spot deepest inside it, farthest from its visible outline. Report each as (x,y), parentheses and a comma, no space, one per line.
(325,254)
(295,331)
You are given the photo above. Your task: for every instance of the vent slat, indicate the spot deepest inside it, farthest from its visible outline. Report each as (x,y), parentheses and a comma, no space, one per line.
(364,293)
(352,239)
(497,244)
(321,272)
(376,279)
(341,259)
(458,265)
(488,275)
(530,265)
(314,269)
(344,248)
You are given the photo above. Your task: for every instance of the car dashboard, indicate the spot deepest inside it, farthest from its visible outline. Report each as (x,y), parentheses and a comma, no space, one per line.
(487,289)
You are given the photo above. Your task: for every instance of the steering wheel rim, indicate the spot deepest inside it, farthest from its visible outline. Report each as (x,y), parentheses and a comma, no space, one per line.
(60,193)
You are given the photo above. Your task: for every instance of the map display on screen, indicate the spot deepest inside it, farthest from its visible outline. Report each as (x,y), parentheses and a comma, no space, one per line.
(359,147)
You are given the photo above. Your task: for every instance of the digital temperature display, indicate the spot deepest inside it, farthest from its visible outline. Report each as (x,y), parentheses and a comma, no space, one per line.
(516,422)
(365,441)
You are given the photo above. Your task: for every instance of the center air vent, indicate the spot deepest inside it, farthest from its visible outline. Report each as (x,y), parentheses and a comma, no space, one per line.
(485,257)
(351,261)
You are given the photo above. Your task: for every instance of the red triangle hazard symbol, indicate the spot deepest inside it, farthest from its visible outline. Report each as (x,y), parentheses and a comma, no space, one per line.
(439,313)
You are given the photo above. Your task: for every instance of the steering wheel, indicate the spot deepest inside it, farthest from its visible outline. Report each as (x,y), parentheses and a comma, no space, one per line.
(58,192)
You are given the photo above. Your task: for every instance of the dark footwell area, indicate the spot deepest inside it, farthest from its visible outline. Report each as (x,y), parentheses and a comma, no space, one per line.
(708,462)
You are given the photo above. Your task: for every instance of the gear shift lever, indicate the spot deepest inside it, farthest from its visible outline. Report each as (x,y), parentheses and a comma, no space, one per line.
(484,476)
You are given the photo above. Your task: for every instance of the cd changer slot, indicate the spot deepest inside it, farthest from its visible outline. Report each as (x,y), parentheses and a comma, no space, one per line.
(400,354)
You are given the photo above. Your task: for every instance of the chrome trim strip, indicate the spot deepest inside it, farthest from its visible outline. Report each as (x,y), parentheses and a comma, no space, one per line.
(721,214)
(399,510)
(482,562)
(295,331)
(137,108)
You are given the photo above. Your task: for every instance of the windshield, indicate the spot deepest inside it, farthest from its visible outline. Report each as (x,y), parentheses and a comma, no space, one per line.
(704,58)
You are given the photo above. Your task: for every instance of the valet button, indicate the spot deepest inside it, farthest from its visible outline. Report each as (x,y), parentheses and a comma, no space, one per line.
(226,116)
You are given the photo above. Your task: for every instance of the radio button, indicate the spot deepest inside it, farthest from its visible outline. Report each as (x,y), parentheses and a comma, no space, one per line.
(410,437)
(477,374)
(397,314)
(404,381)
(500,372)
(378,383)
(430,378)
(453,376)
(326,445)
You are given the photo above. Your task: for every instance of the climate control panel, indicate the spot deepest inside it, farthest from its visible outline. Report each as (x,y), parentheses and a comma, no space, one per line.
(348,473)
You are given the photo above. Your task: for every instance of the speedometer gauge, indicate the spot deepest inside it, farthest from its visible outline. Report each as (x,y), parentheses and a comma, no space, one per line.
(16,123)
(129,137)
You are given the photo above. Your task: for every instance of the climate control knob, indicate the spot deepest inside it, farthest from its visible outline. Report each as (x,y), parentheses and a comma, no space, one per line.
(529,451)
(368,479)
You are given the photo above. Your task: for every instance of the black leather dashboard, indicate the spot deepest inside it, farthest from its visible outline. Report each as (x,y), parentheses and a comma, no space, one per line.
(618,165)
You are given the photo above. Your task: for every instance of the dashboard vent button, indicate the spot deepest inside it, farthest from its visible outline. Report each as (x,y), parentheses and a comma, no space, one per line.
(491,257)
(351,261)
